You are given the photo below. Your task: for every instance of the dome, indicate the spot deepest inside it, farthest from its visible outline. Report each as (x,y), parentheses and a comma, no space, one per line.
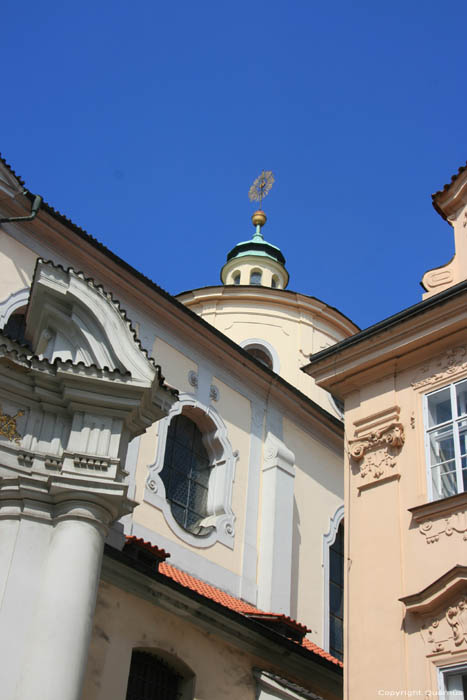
(256,261)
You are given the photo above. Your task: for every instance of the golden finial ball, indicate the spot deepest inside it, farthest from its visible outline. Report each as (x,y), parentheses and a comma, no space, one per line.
(259,218)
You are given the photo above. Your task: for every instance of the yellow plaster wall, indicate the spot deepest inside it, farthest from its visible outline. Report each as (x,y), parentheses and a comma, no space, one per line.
(318,493)
(234,410)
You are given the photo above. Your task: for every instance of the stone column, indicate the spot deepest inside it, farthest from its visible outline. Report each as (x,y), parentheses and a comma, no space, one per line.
(56,653)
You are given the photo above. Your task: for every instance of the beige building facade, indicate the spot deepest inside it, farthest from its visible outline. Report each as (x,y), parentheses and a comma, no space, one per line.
(404,382)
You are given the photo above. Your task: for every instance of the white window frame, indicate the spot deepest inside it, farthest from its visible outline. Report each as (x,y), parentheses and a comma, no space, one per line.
(223,462)
(443,673)
(12,303)
(328,540)
(261,344)
(455,419)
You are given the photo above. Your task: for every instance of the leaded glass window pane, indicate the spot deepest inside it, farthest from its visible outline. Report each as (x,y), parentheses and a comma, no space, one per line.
(186,472)
(336,594)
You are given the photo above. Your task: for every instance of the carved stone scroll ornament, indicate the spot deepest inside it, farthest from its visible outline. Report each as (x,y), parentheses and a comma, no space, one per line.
(443,367)
(455,523)
(376,452)
(8,427)
(448,631)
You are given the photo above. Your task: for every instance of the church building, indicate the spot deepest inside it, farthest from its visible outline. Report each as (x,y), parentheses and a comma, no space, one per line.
(171,482)
(229,494)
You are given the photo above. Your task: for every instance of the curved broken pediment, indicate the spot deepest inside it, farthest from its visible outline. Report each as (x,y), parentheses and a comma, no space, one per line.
(70,317)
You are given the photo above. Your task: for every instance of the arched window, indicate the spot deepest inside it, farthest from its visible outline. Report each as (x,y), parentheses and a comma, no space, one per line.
(186,473)
(236,278)
(333,569)
(152,676)
(260,354)
(336,594)
(191,479)
(275,281)
(15,327)
(255,277)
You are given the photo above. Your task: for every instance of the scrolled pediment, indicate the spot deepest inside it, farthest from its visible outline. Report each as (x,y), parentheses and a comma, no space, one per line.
(70,317)
(440,611)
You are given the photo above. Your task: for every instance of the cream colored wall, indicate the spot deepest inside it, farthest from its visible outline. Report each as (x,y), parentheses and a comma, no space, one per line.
(245,266)
(16,264)
(123,621)
(235,412)
(388,554)
(293,330)
(318,494)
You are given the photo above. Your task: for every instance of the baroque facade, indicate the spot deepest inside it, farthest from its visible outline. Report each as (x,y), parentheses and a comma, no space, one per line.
(174,475)
(404,383)
(171,482)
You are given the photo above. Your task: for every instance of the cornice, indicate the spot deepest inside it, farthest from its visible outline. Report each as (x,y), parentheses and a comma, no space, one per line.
(401,341)
(453,195)
(284,298)
(437,593)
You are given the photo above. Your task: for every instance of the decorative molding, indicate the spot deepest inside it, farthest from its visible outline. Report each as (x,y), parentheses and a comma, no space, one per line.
(376,445)
(13,302)
(447,632)
(220,517)
(8,427)
(193,378)
(445,517)
(455,523)
(262,344)
(328,540)
(214,392)
(443,368)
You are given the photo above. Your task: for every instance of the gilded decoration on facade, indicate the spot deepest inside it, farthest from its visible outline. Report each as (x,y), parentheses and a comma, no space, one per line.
(8,427)
(376,451)
(448,631)
(451,362)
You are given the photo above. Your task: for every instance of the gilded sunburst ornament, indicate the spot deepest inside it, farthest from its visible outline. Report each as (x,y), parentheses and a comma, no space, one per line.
(261,186)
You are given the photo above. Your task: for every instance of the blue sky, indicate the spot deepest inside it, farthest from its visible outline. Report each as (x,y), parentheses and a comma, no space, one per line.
(146,123)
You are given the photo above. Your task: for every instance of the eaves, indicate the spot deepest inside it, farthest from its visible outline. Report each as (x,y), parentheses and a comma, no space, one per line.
(248,634)
(106,267)
(403,338)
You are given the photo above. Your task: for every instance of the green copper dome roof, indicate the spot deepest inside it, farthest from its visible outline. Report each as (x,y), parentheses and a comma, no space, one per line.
(257,246)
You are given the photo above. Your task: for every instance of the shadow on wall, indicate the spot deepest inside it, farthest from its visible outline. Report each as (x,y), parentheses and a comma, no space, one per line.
(296,543)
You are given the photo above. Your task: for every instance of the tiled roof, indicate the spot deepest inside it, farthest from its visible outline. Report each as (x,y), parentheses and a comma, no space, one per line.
(138,542)
(448,185)
(235,604)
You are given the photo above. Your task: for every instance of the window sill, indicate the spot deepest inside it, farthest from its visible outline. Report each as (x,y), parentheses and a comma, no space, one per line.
(442,508)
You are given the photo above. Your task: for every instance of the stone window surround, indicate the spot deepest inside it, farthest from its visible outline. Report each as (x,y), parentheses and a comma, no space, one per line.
(223,460)
(261,344)
(16,300)
(328,540)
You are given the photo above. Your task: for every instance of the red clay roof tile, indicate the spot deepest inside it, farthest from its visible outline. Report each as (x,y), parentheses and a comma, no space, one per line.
(237,605)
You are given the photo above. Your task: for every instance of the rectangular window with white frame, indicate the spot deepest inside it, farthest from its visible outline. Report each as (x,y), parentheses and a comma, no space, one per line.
(445,412)
(452,682)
